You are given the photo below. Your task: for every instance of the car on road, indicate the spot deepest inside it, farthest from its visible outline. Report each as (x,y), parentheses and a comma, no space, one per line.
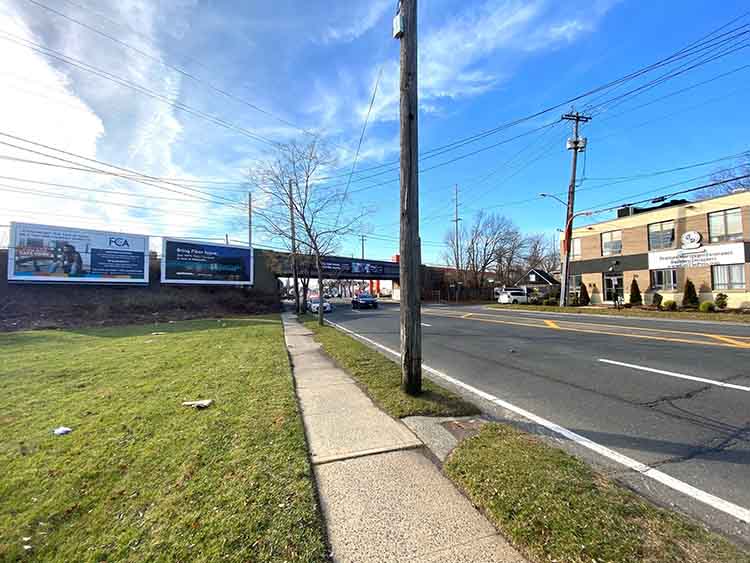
(314,305)
(514,295)
(364,301)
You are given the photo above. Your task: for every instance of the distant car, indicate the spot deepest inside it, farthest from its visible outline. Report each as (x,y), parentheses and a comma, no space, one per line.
(514,295)
(314,306)
(364,301)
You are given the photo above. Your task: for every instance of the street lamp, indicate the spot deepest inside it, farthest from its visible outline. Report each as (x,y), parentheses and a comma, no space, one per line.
(553,196)
(566,259)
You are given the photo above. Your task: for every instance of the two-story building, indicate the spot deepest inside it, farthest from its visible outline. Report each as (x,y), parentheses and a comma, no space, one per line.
(707,241)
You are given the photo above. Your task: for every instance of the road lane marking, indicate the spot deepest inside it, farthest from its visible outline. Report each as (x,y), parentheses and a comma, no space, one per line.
(724,344)
(679,375)
(730,340)
(425,324)
(551,324)
(739,512)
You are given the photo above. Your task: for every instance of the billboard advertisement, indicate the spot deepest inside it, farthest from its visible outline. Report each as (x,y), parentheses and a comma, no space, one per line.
(189,261)
(43,253)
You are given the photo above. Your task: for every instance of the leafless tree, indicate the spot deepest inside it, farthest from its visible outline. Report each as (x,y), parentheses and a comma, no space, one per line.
(484,239)
(542,252)
(291,185)
(455,254)
(740,168)
(510,253)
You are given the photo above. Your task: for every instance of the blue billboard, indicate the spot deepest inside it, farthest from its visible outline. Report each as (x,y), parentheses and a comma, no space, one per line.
(193,262)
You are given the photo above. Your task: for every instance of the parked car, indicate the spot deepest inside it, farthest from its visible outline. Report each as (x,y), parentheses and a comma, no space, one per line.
(514,295)
(364,301)
(314,304)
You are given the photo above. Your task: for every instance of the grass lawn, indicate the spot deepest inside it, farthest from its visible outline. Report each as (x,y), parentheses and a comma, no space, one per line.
(555,508)
(685,315)
(381,378)
(142,478)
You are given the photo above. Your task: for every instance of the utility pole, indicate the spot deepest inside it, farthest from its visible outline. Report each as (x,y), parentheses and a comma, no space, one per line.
(457,244)
(250,220)
(576,144)
(405,29)
(226,238)
(294,249)
(363,237)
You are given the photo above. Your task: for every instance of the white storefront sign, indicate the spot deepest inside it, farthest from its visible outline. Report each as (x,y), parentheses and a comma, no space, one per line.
(715,255)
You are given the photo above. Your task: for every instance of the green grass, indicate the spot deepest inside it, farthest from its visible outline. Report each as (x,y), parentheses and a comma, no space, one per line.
(555,508)
(142,478)
(381,378)
(685,315)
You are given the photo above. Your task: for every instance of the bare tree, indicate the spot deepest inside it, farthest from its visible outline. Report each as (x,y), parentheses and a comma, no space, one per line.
(455,254)
(510,253)
(291,184)
(485,238)
(740,168)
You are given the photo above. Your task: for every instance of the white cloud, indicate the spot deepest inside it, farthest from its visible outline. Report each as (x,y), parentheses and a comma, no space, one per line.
(354,25)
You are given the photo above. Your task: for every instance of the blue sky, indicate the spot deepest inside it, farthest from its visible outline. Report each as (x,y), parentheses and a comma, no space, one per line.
(313,65)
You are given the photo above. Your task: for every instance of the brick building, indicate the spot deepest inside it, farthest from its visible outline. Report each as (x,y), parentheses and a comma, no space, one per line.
(706,241)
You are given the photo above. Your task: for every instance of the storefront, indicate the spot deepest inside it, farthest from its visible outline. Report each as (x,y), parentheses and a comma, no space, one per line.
(706,241)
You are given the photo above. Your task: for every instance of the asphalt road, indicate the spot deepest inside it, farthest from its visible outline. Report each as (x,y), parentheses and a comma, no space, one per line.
(694,430)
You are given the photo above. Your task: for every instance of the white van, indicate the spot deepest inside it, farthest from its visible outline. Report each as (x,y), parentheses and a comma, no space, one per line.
(513,295)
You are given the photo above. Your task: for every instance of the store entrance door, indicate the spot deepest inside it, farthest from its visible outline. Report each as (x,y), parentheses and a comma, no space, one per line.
(613,287)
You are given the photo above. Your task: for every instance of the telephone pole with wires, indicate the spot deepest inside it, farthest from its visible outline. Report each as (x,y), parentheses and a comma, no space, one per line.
(457,239)
(363,238)
(576,144)
(405,30)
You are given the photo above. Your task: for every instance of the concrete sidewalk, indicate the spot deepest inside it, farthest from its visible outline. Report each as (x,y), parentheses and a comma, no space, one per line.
(383,500)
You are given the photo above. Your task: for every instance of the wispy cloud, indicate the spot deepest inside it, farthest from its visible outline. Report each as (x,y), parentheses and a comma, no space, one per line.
(355,24)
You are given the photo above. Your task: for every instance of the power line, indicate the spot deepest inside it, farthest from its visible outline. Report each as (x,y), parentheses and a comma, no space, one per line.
(181,71)
(359,144)
(130,172)
(57,55)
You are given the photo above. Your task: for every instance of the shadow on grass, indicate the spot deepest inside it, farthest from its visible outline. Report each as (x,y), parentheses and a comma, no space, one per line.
(37,337)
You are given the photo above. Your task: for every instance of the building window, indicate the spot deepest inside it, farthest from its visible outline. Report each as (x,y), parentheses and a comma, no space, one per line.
(575,250)
(725,225)
(611,243)
(728,277)
(661,235)
(664,279)
(613,287)
(575,284)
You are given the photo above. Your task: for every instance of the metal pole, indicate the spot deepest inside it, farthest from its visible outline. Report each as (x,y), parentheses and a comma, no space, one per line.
(411,314)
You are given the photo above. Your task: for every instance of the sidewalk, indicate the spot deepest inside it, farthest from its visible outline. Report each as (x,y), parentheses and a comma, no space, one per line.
(383,499)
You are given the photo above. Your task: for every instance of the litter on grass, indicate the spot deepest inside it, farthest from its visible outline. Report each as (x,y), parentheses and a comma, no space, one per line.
(202,404)
(62,430)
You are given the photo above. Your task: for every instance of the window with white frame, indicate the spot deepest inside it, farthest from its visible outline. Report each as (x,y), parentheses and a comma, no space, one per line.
(725,225)
(664,279)
(661,235)
(728,277)
(575,249)
(611,243)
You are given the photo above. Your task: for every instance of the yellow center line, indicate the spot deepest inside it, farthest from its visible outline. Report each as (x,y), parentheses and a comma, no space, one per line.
(722,343)
(731,340)
(551,324)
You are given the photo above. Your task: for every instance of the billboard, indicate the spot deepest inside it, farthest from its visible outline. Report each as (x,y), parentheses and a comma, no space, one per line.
(189,261)
(43,253)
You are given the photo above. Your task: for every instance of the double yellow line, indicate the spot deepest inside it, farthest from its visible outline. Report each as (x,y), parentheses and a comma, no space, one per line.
(704,339)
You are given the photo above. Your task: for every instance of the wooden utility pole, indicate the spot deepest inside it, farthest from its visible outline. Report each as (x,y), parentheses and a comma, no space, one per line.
(363,245)
(405,29)
(250,220)
(294,248)
(457,244)
(576,145)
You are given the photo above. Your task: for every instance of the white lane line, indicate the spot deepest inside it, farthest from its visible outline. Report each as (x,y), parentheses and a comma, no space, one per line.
(425,324)
(739,512)
(680,375)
